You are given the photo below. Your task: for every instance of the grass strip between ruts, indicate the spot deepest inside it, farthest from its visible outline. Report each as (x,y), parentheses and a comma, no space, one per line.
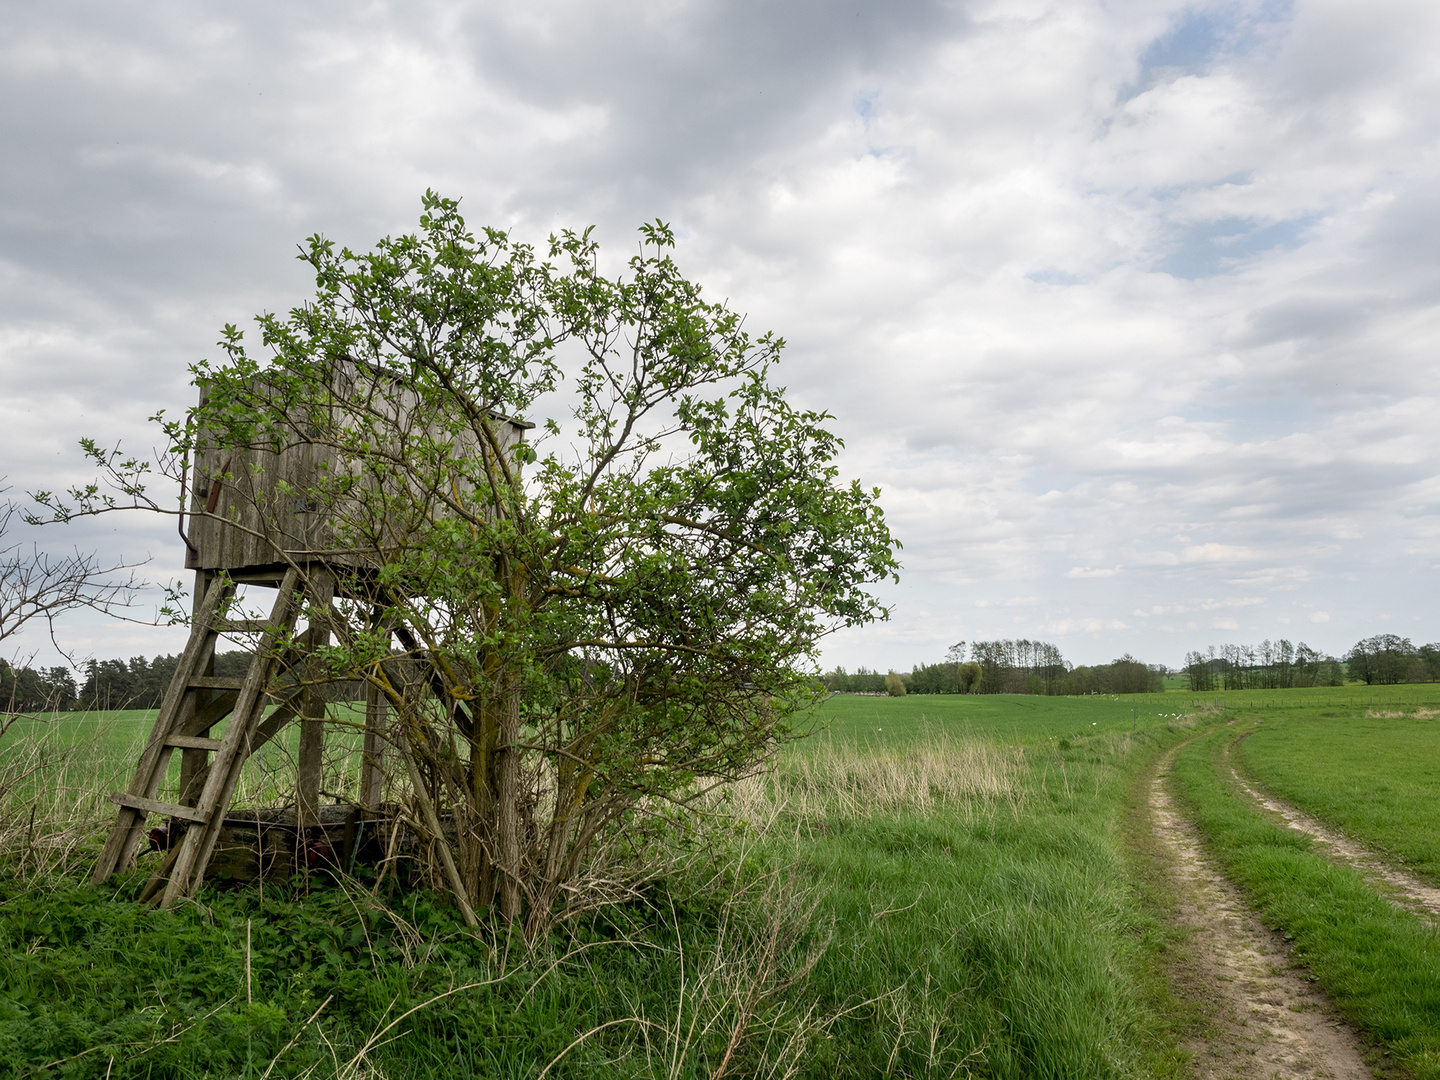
(1379,964)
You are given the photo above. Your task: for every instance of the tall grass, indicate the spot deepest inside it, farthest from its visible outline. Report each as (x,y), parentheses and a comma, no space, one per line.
(54,789)
(982,901)
(935,772)
(921,900)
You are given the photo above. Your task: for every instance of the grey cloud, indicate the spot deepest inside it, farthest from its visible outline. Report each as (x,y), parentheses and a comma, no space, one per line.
(697,86)
(1069,327)
(1303,317)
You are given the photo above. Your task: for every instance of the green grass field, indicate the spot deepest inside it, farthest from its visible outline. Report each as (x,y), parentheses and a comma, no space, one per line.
(1018,910)
(1017,718)
(925,886)
(1376,777)
(89,754)
(979,919)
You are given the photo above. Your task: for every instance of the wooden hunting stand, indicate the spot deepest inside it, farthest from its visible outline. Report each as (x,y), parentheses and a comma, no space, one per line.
(247,527)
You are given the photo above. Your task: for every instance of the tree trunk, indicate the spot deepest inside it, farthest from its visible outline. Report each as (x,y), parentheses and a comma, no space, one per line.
(508,798)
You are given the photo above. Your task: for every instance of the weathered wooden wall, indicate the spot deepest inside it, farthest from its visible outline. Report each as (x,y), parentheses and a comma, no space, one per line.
(251,529)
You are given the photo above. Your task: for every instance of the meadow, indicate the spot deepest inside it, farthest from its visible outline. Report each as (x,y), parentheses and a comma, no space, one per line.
(64,765)
(1373,772)
(923,886)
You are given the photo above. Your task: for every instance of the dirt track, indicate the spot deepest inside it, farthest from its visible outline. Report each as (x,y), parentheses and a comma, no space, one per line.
(1399,886)
(1268,1019)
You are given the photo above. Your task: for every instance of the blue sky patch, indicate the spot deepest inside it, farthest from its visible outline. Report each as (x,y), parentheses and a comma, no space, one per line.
(1213,247)
(1200,35)
(1051,276)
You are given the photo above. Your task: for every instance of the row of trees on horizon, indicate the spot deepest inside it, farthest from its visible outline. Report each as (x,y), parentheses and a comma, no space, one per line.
(988,667)
(1004,666)
(1384,659)
(115,684)
(1022,666)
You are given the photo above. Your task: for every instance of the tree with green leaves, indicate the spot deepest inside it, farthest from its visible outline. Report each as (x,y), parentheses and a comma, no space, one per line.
(1385,659)
(607,621)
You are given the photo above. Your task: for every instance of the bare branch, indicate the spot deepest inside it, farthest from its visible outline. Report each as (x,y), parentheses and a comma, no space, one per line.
(39,586)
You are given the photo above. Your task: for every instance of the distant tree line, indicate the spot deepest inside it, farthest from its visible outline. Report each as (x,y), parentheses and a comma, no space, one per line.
(1125,675)
(1004,667)
(1271,665)
(136,683)
(861,681)
(24,689)
(139,683)
(1388,658)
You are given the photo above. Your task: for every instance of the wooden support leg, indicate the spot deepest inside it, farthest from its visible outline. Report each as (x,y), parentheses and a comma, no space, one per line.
(230,756)
(307,780)
(195,764)
(372,773)
(312,724)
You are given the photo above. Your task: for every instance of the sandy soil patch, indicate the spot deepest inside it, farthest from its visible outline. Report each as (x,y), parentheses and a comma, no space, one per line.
(1270,1021)
(1396,884)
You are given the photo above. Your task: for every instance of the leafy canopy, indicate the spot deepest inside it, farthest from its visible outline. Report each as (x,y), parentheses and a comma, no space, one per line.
(605,618)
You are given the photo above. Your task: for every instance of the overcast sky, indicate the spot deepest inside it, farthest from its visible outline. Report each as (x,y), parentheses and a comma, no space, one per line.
(1131,308)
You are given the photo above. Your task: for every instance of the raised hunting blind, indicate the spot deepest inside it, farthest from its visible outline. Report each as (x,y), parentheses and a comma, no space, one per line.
(254,510)
(267,508)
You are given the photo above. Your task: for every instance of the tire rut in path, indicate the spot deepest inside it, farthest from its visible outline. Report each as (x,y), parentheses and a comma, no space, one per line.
(1270,1022)
(1406,889)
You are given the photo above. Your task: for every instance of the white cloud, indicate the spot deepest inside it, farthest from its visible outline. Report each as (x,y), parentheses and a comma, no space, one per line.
(1063,627)
(1125,307)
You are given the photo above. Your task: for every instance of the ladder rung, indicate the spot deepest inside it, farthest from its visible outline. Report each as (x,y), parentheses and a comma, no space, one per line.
(194,742)
(155,806)
(242,626)
(214,682)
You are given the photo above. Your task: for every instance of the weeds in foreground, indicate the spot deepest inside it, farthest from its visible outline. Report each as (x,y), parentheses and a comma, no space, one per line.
(735,1012)
(936,911)
(337,985)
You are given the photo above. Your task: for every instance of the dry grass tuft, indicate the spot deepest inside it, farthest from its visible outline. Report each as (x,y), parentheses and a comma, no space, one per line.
(54,804)
(922,776)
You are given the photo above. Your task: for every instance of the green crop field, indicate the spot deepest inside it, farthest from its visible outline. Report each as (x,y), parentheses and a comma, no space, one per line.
(88,754)
(924,886)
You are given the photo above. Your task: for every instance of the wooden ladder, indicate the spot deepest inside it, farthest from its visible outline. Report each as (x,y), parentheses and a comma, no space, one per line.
(194,703)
